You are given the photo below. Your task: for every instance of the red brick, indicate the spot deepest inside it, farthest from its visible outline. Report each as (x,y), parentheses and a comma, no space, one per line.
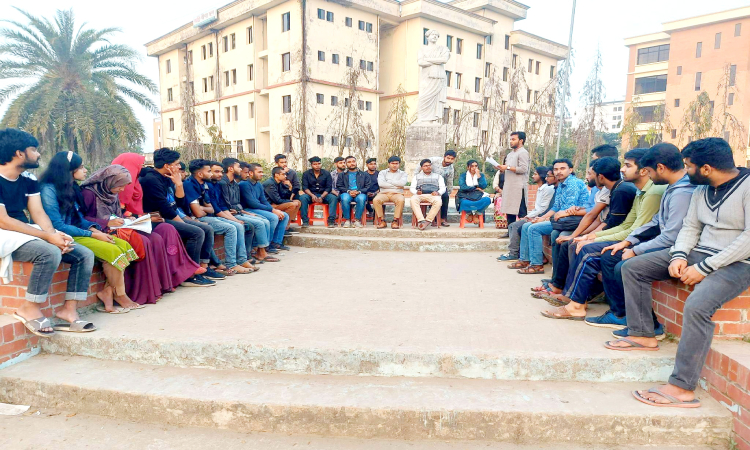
(733,369)
(12,302)
(723,365)
(719,396)
(716,380)
(741,443)
(744,416)
(736,329)
(741,429)
(7,333)
(727,315)
(738,395)
(743,375)
(15,346)
(682,294)
(8,291)
(738,303)
(669,314)
(58,287)
(669,289)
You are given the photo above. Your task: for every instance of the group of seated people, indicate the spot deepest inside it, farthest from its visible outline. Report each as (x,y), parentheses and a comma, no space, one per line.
(68,216)
(662,214)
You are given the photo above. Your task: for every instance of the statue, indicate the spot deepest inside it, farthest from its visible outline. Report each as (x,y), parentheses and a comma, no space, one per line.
(432,87)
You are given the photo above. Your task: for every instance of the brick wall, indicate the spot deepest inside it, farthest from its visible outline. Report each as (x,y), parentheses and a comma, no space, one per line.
(726,377)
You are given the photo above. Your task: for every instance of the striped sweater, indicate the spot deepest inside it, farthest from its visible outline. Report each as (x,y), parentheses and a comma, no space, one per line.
(718,224)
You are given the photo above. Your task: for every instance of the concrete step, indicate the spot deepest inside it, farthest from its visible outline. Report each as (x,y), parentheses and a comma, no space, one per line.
(361,407)
(470,232)
(48,429)
(389,243)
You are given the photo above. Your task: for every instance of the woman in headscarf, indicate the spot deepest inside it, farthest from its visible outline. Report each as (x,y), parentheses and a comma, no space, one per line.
(62,200)
(178,263)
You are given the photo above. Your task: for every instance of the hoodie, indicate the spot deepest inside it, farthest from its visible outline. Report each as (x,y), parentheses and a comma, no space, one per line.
(666,224)
(156,193)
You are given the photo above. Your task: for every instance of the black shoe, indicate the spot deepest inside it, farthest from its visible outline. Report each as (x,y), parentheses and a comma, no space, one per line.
(305,224)
(282,247)
(272,249)
(331,223)
(211,274)
(287,233)
(197,281)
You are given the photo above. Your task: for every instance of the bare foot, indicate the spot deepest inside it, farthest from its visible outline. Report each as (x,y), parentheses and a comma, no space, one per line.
(68,312)
(125,302)
(575,309)
(669,389)
(31,311)
(106,296)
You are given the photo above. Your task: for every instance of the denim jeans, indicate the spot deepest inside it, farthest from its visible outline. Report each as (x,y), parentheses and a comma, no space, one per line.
(244,238)
(261,227)
(475,205)
(346,205)
(278,227)
(306,200)
(45,258)
(230,239)
(719,287)
(514,233)
(533,249)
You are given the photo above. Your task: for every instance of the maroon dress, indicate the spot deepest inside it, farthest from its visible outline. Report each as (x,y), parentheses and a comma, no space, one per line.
(165,266)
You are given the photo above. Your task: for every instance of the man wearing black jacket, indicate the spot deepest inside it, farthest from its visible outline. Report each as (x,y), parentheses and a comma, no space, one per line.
(163,194)
(280,195)
(353,185)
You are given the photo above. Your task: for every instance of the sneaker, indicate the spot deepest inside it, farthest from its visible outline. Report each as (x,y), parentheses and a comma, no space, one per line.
(357,224)
(211,274)
(348,224)
(507,257)
(659,333)
(293,230)
(198,281)
(282,247)
(331,223)
(607,320)
(305,224)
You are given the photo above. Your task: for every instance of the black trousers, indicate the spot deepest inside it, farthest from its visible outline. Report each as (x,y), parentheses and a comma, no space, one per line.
(522,211)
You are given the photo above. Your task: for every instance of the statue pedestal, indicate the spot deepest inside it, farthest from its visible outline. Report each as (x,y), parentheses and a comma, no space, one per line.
(423,141)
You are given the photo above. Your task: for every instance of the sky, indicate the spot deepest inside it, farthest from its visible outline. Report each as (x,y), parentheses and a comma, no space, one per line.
(601,24)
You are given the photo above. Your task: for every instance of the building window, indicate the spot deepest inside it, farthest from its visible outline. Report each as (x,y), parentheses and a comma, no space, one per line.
(424,34)
(348,142)
(647,85)
(235,113)
(674,134)
(321,56)
(485,103)
(169,66)
(514,61)
(335,58)
(205,117)
(251,110)
(249,34)
(213,117)
(169,95)
(458,80)
(487,67)
(456,116)
(321,14)
(369,27)
(449,42)
(362,64)
(538,67)
(238,144)
(211,82)
(233,38)
(370,66)
(227,116)
(679,70)
(286,62)
(677,103)
(717,41)
(329,16)
(552,71)
(459,46)
(368,106)
(334,141)
(249,72)
(285,22)
(476,119)
(507,42)
(348,21)
(536,96)
(528,95)
(320,98)
(286,104)
(479,51)
(287,144)
(698,49)
(234,76)
(210,49)
(349,61)
(477,84)
(361,26)
(321,139)
(732,75)
(505,73)
(737,29)
(647,114)
(251,145)
(334,100)
(653,54)
(446,115)
(171,124)
(730,100)
(226,78)
(346,102)
(225,40)
(484,137)
(697,81)
(448,78)
(190,57)
(531,65)
(203,52)
(360,105)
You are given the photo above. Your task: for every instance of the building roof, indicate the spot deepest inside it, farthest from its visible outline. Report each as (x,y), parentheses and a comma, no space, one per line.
(510,8)
(690,22)
(538,44)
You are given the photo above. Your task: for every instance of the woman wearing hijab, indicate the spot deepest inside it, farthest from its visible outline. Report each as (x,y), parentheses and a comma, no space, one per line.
(62,200)
(471,195)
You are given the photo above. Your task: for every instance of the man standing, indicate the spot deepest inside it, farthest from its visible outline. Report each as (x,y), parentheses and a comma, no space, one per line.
(372,172)
(291,177)
(426,186)
(353,184)
(711,253)
(516,170)
(280,195)
(444,167)
(253,199)
(391,183)
(317,186)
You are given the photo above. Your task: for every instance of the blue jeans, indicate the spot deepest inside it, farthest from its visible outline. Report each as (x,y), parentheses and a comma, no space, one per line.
(532,246)
(346,205)
(261,227)
(244,239)
(278,227)
(475,205)
(306,200)
(230,239)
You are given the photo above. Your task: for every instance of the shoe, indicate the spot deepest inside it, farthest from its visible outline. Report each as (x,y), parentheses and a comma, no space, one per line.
(281,247)
(294,230)
(381,224)
(607,320)
(395,225)
(211,274)
(659,333)
(444,224)
(198,281)
(305,224)
(272,249)
(507,257)
(357,224)
(348,224)
(287,233)
(331,223)
(503,235)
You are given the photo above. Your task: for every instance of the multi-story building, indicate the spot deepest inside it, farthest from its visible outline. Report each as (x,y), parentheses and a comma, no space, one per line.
(609,116)
(690,77)
(273,76)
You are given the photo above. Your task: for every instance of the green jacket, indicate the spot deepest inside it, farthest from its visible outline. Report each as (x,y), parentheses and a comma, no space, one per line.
(645,205)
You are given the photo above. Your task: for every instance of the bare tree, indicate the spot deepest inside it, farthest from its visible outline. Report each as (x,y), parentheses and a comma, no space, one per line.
(345,122)
(300,124)
(539,115)
(495,115)
(592,120)
(396,121)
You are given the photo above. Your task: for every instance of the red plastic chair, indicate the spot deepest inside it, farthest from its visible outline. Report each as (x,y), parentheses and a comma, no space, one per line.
(463,220)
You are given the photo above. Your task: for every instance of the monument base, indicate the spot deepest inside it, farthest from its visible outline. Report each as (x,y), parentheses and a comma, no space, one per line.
(423,141)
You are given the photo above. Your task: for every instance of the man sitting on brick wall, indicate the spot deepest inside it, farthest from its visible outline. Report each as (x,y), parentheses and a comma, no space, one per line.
(41,245)
(711,253)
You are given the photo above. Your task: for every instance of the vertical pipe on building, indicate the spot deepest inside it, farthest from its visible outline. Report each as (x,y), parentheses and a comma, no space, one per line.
(303,87)
(217,95)
(567,81)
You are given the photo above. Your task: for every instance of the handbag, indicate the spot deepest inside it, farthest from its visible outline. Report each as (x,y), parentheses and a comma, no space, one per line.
(473,195)
(569,223)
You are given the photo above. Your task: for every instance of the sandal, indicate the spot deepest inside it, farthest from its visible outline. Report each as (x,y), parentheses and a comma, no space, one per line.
(531,270)
(561,313)
(271,259)
(118,310)
(518,265)
(395,225)
(543,288)
(541,294)
(241,270)
(35,325)
(674,402)
(79,326)
(553,300)
(633,346)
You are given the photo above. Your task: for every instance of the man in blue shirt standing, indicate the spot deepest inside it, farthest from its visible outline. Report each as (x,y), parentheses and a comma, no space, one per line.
(253,198)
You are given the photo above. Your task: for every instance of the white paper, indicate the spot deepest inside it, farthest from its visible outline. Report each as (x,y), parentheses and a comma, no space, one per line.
(142,223)
(492,162)
(12,410)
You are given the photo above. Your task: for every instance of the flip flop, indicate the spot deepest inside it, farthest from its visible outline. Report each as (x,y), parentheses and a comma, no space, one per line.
(35,325)
(118,310)
(531,270)
(79,326)
(561,313)
(673,401)
(634,346)
(541,294)
(552,300)
(543,288)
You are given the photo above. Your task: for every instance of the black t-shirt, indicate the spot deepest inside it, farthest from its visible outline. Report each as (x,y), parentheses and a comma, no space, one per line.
(14,194)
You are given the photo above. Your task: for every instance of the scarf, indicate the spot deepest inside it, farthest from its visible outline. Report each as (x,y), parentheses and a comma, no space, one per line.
(101,184)
(132,197)
(472,181)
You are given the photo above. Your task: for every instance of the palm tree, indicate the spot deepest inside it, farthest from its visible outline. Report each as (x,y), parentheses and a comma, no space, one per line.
(71,87)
